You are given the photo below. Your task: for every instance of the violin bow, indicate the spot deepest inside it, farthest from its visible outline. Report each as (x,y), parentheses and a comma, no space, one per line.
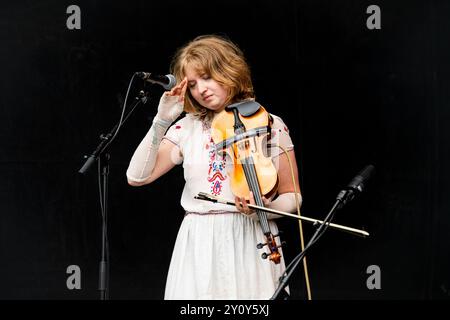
(208,197)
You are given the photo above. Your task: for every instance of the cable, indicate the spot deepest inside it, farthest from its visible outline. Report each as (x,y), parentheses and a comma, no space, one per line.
(123,112)
(302,241)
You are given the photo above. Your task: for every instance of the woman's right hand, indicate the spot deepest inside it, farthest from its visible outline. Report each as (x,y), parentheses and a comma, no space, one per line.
(171,103)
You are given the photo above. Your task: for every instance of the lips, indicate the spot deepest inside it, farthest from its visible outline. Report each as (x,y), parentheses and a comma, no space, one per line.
(207,97)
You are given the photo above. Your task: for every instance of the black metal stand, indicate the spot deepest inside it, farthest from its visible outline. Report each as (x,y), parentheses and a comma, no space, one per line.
(103,283)
(355,187)
(102,156)
(280,293)
(106,139)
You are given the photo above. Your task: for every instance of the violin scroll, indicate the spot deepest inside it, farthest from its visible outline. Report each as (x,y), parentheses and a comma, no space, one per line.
(274,255)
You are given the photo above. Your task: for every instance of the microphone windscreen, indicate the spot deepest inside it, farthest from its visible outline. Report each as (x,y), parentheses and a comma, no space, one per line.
(172,82)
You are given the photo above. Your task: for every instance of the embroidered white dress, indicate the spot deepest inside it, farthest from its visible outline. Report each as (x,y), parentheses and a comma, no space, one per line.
(215,254)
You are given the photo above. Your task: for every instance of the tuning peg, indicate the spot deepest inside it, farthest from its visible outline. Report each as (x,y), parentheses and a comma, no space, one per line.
(260,245)
(264,255)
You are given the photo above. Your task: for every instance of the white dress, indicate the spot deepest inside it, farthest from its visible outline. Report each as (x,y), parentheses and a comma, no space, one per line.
(215,254)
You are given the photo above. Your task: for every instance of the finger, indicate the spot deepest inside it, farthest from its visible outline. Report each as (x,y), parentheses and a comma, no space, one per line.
(170,93)
(183,89)
(183,85)
(245,206)
(175,90)
(178,88)
(251,198)
(237,203)
(265,201)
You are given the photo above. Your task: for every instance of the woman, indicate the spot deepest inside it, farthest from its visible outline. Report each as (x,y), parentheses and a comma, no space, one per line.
(215,254)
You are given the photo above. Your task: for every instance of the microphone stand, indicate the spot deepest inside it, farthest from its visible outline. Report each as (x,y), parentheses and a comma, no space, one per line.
(103,284)
(341,199)
(102,155)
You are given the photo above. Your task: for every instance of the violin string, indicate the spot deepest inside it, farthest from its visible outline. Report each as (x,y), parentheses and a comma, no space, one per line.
(253,186)
(257,197)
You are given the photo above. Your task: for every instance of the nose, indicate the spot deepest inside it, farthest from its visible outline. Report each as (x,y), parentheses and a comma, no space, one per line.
(201,87)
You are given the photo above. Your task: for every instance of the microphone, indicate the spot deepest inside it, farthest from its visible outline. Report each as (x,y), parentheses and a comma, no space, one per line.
(167,82)
(357,184)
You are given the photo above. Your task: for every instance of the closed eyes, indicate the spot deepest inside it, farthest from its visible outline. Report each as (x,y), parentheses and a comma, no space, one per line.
(192,84)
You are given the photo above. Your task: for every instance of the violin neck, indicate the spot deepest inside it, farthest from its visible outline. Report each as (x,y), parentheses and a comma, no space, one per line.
(252,178)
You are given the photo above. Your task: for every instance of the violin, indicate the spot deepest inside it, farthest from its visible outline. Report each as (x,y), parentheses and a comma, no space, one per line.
(241,131)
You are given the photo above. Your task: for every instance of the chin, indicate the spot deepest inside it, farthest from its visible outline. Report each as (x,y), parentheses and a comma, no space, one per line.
(214,108)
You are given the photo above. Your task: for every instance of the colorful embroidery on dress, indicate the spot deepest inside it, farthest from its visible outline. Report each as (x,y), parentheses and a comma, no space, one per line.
(216,170)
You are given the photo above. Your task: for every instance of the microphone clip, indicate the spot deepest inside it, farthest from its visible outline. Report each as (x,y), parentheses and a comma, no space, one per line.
(345,195)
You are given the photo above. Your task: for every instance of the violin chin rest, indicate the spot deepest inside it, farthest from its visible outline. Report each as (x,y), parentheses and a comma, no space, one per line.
(246,108)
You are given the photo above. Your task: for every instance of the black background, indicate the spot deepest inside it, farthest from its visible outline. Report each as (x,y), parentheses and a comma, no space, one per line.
(350,96)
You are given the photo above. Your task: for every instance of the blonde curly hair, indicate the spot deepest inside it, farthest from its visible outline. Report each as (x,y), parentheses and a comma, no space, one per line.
(223,61)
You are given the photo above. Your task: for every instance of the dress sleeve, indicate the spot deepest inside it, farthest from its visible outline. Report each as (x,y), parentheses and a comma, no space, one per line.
(175,132)
(280,137)
(175,135)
